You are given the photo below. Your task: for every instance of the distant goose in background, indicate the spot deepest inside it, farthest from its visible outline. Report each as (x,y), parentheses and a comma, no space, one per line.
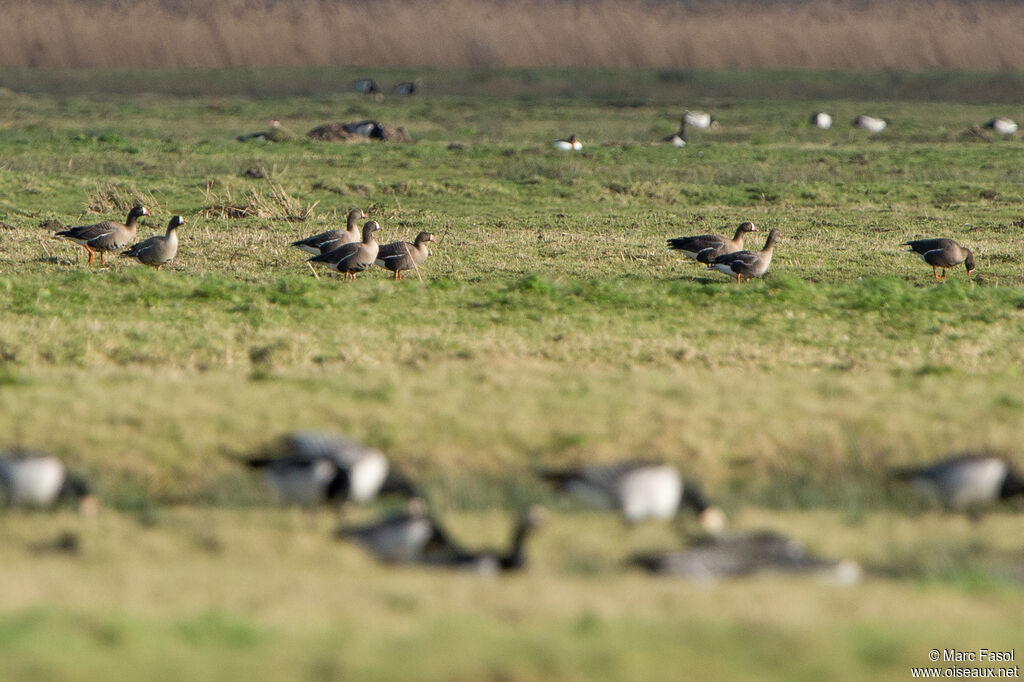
(572,144)
(870,123)
(747,264)
(366,86)
(351,259)
(942,253)
(821,120)
(407,88)
(698,119)
(105,236)
(488,562)
(965,483)
(1002,126)
(638,490)
(677,139)
(276,133)
(734,556)
(332,239)
(159,250)
(367,128)
(705,248)
(403,537)
(401,255)
(36,480)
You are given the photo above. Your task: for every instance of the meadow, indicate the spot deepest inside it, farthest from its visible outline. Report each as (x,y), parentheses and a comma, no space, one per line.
(551,327)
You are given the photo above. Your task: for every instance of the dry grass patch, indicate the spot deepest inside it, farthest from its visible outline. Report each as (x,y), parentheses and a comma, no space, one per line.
(274,204)
(120,198)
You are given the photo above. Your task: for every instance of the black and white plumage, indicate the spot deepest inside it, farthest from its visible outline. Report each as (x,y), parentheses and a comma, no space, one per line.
(367,128)
(705,248)
(820,119)
(747,264)
(965,483)
(35,480)
(570,144)
(403,537)
(942,253)
(872,124)
(400,256)
(677,139)
(351,259)
(106,236)
(638,490)
(1001,126)
(331,239)
(698,119)
(445,553)
(159,250)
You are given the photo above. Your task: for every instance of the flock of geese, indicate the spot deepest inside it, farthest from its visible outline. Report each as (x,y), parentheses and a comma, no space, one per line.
(313,468)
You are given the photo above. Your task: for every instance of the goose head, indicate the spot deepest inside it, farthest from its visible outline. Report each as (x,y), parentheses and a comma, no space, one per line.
(137,212)
(969,261)
(424,237)
(369,228)
(176,222)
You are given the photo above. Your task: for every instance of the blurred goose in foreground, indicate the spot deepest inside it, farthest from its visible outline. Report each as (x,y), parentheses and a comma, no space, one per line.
(105,236)
(366,86)
(276,133)
(965,483)
(407,88)
(677,139)
(332,239)
(639,490)
(942,253)
(401,255)
(705,248)
(353,258)
(1002,126)
(820,119)
(313,467)
(34,480)
(403,537)
(740,264)
(870,123)
(488,562)
(733,556)
(698,119)
(159,250)
(572,144)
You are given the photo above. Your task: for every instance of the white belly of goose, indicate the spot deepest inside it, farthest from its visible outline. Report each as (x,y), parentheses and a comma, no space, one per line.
(31,481)
(871,124)
(302,485)
(650,493)
(366,476)
(697,119)
(973,484)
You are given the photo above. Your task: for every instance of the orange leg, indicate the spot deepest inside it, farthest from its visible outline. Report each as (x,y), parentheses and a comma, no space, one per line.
(935,273)
(103,258)
(738,278)
(92,254)
(398,275)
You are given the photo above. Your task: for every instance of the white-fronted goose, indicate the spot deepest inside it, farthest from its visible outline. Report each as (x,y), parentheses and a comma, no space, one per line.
(351,259)
(820,119)
(1001,126)
(399,256)
(746,264)
(965,483)
(638,490)
(488,562)
(159,250)
(870,123)
(705,248)
(572,144)
(698,119)
(403,537)
(677,139)
(105,236)
(34,480)
(942,253)
(332,239)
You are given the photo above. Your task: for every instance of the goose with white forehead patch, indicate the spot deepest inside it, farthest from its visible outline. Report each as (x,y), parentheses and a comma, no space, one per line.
(351,259)
(705,248)
(157,251)
(747,264)
(106,236)
(331,239)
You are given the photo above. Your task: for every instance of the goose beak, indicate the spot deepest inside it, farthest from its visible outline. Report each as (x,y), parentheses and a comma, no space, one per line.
(712,520)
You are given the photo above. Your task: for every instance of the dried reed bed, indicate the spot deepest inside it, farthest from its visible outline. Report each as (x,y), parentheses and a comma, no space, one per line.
(837,34)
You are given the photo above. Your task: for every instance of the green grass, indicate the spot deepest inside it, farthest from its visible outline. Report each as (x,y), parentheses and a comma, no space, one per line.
(551,327)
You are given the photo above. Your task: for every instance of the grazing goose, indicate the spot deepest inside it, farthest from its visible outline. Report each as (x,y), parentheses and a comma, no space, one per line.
(965,483)
(332,239)
(105,236)
(488,562)
(698,119)
(639,490)
(403,537)
(313,467)
(677,139)
(366,86)
(569,145)
(870,123)
(1002,126)
(732,556)
(399,256)
(747,264)
(821,120)
(277,133)
(353,258)
(942,253)
(158,251)
(705,248)
(34,480)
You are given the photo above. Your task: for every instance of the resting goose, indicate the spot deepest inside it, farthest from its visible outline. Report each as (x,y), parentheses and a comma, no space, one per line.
(332,239)
(1002,126)
(488,562)
(677,139)
(572,144)
(740,264)
(638,490)
(698,119)
(105,236)
(367,86)
(367,128)
(870,123)
(403,537)
(158,251)
(401,255)
(965,483)
(942,253)
(353,258)
(407,88)
(34,480)
(821,120)
(706,247)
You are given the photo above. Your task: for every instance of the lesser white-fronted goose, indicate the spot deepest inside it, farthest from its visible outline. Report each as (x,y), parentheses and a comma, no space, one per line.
(1001,126)
(402,537)
(638,490)
(159,250)
(399,256)
(353,258)
(820,119)
(942,253)
(35,480)
(965,483)
(487,562)
(332,239)
(106,236)
(571,144)
(677,139)
(871,124)
(747,264)
(705,248)
(698,119)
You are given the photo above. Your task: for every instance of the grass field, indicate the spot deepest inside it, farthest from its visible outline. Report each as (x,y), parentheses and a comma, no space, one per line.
(550,327)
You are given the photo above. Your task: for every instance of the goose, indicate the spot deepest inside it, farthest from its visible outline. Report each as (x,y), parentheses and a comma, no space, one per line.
(366,86)
(353,258)
(332,239)
(677,139)
(158,251)
(277,133)
(698,119)
(942,253)
(487,562)
(870,123)
(34,480)
(105,236)
(367,128)
(1002,126)
(821,120)
(402,537)
(965,482)
(705,248)
(740,264)
(407,88)
(571,144)
(738,555)
(638,490)
(401,255)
